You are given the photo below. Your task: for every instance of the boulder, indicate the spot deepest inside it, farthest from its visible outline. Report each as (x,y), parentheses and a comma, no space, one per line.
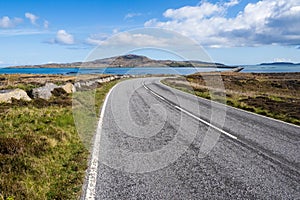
(69,88)
(7,95)
(77,85)
(44,92)
(87,85)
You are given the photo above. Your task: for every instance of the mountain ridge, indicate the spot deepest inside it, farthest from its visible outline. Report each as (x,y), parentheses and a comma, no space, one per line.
(129,60)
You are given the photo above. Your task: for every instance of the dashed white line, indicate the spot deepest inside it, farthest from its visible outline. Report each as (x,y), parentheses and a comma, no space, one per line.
(205,122)
(192,115)
(92,175)
(230,107)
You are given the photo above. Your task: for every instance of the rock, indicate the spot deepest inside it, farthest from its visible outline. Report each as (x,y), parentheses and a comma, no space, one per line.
(93,83)
(44,92)
(58,92)
(7,95)
(87,85)
(69,88)
(77,85)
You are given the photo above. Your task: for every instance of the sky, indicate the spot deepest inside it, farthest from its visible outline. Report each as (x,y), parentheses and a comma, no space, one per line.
(233,32)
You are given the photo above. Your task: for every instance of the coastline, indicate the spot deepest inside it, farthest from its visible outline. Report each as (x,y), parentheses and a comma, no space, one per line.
(152,70)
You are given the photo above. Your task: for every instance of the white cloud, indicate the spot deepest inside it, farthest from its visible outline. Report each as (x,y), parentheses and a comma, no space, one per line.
(135,39)
(31,17)
(46,24)
(97,39)
(206,9)
(115,31)
(231,3)
(93,41)
(6,22)
(62,37)
(264,22)
(138,40)
(131,15)
(282,60)
(100,38)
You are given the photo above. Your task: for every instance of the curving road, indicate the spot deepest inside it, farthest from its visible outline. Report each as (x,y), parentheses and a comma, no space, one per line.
(155,142)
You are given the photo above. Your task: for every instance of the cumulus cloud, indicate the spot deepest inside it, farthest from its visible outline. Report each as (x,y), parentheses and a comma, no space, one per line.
(62,37)
(264,22)
(6,22)
(231,3)
(206,9)
(31,17)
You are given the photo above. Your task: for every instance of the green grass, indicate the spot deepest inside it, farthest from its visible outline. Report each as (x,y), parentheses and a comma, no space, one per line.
(86,110)
(101,93)
(275,98)
(42,156)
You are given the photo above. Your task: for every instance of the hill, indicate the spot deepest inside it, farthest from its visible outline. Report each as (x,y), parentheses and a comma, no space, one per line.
(279,63)
(129,60)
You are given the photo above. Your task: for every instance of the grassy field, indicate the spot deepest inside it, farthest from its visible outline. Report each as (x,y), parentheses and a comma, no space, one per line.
(41,154)
(274,95)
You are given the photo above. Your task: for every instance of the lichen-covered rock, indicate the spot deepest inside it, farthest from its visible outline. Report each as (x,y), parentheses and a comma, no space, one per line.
(7,95)
(44,92)
(69,88)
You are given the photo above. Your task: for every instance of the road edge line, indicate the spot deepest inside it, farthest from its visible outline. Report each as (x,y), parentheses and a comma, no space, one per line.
(93,168)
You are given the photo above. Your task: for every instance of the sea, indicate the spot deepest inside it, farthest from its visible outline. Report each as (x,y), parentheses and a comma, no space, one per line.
(274,68)
(149,70)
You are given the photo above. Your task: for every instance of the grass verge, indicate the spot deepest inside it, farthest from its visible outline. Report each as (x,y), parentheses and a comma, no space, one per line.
(86,110)
(41,154)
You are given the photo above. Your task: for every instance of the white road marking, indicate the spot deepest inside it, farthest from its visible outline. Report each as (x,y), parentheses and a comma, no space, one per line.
(92,176)
(162,98)
(205,122)
(158,96)
(192,115)
(260,151)
(230,107)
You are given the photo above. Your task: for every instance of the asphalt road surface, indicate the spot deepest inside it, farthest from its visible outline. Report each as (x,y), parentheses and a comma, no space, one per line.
(155,142)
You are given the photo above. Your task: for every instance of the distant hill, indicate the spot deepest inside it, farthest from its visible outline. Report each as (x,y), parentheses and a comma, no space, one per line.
(130,60)
(279,63)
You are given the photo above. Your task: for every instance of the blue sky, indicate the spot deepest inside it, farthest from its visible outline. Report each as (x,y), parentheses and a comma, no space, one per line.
(230,31)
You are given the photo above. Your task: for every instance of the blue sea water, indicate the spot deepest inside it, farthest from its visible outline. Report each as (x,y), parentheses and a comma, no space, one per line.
(115,71)
(148,70)
(271,68)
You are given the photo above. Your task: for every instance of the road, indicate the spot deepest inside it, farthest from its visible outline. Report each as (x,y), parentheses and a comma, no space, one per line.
(155,142)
